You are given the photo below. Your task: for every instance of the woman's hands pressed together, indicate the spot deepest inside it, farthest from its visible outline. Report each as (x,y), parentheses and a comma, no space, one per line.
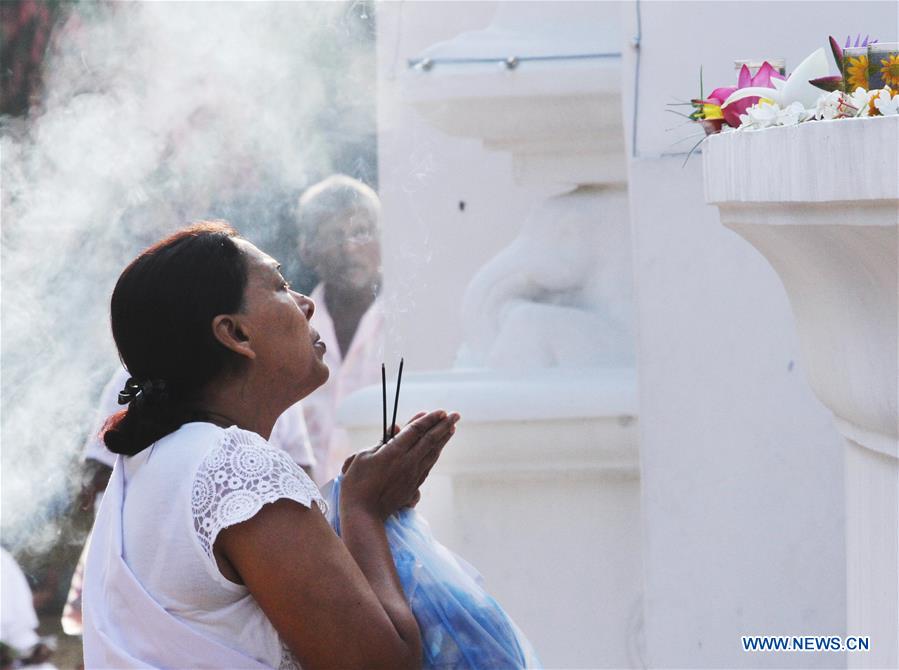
(386,477)
(292,562)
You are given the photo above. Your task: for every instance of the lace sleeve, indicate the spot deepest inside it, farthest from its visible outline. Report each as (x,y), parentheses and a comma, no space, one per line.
(240,476)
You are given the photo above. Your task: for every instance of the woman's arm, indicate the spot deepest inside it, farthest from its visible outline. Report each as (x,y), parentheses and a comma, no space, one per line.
(340,604)
(316,596)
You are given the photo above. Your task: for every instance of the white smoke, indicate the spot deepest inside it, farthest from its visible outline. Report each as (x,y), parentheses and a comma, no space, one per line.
(154,114)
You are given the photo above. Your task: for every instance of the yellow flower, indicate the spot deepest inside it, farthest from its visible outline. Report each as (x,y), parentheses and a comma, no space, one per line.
(710,111)
(890,70)
(872,110)
(857,72)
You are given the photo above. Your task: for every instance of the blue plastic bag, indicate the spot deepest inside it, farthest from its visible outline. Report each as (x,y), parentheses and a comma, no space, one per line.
(462,626)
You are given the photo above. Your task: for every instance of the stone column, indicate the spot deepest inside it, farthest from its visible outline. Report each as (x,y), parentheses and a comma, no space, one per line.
(539,489)
(821,201)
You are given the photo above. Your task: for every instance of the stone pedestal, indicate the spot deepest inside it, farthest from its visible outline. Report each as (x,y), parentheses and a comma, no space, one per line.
(545,87)
(539,490)
(821,201)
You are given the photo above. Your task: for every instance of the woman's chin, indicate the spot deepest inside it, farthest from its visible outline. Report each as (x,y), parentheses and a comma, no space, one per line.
(325,374)
(315,378)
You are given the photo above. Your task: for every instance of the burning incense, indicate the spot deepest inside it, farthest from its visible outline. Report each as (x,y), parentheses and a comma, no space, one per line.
(384,403)
(396,400)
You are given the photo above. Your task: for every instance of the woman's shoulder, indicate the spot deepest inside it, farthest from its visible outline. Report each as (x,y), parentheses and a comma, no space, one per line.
(249,456)
(244,461)
(238,477)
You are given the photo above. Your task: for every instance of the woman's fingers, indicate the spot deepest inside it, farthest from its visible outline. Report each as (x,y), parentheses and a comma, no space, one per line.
(405,461)
(418,415)
(432,442)
(397,428)
(347,463)
(415,430)
(429,459)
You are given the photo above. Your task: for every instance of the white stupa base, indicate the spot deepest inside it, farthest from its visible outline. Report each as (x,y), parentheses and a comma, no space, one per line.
(539,462)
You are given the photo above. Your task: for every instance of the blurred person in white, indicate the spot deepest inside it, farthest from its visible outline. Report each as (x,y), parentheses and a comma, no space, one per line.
(289,434)
(19,642)
(339,239)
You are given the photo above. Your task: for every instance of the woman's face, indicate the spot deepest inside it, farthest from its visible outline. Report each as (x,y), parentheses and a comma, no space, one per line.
(288,351)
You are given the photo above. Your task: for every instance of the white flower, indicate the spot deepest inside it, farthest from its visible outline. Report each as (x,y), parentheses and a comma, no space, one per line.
(886,104)
(827,105)
(860,99)
(760,115)
(766,114)
(793,114)
(837,105)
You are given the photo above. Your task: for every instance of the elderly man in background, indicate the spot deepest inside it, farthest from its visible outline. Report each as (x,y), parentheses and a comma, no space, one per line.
(339,239)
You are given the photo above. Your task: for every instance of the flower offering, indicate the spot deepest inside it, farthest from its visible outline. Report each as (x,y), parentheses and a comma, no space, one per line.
(867,85)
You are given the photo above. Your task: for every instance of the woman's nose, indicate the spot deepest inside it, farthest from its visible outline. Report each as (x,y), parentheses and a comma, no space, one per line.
(306,304)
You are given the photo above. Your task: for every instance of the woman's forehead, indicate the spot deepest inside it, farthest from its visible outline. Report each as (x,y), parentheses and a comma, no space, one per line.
(258,262)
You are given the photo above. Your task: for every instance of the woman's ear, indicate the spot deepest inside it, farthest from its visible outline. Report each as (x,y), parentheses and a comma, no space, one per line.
(226,328)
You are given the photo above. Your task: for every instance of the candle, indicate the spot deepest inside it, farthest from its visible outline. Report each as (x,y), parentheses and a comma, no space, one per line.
(779,64)
(855,68)
(883,65)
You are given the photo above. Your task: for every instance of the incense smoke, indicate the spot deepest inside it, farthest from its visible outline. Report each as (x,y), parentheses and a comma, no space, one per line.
(153,115)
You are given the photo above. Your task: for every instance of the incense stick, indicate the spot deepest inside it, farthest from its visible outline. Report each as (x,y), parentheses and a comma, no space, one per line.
(384,403)
(396,399)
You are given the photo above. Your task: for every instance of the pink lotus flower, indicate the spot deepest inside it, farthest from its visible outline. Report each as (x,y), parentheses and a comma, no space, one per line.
(762,78)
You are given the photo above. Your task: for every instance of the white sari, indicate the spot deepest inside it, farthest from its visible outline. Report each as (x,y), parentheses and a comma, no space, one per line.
(112,594)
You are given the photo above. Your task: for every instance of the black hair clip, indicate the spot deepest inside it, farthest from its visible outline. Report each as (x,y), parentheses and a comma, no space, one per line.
(150,387)
(130,391)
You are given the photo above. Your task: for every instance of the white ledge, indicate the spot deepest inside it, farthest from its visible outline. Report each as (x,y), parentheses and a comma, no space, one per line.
(488,396)
(546,423)
(774,165)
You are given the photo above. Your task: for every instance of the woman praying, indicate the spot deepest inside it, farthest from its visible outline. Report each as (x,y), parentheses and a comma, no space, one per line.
(210,549)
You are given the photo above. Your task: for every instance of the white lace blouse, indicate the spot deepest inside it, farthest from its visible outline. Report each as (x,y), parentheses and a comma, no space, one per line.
(179,494)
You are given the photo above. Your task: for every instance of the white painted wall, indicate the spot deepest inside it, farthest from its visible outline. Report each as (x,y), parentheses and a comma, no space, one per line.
(831,236)
(540,487)
(742,470)
(424,175)
(741,467)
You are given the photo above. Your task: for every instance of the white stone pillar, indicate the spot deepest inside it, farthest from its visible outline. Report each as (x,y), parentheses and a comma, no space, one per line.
(821,201)
(539,489)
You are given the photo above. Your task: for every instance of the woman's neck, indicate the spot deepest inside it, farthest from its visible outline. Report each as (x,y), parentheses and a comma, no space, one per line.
(233,402)
(213,417)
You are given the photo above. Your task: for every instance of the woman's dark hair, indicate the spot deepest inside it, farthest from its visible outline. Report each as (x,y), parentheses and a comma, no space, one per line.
(162,310)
